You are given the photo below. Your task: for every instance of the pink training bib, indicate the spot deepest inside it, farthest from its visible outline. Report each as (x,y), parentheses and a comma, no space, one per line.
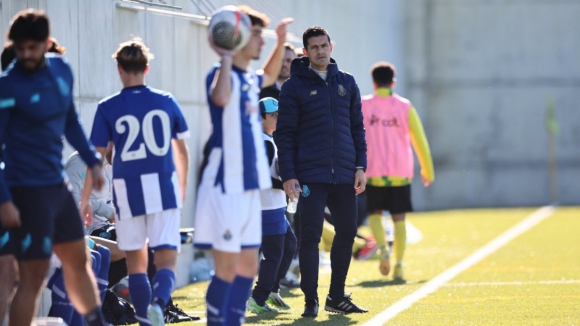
(386,122)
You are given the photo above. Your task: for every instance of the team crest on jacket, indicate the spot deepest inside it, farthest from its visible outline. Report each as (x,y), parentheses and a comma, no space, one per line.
(341,90)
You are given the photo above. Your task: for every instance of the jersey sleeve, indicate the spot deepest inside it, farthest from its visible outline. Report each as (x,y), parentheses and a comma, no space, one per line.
(421,146)
(179,128)
(101,133)
(7,102)
(76,137)
(209,80)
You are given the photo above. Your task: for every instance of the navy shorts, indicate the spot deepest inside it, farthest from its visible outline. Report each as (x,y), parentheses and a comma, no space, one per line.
(48,216)
(396,200)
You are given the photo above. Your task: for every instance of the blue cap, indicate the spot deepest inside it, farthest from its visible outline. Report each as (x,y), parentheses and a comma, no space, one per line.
(268,105)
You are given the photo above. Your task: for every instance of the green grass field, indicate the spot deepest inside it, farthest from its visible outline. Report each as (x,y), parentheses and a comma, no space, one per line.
(532,280)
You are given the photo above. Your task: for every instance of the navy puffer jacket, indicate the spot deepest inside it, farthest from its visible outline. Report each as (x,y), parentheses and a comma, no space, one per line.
(320,133)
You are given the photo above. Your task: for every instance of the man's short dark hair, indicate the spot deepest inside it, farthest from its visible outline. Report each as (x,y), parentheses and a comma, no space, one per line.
(313,32)
(256,17)
(133,56)
(383,73)
(8,53)
(29,25)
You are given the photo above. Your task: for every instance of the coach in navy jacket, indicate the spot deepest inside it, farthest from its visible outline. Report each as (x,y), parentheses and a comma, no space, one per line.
(320,128)
(322,149)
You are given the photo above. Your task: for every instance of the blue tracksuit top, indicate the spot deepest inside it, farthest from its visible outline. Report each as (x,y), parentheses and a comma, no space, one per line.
(36,110)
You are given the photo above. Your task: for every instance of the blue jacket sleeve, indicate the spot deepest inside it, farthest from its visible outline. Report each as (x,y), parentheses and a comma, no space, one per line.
(4,191)
(7,102)
(357,126)
(285,136)
(76,137)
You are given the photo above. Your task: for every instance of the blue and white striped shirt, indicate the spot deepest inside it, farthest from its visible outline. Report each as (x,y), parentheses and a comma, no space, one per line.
(141,122)
(235,153)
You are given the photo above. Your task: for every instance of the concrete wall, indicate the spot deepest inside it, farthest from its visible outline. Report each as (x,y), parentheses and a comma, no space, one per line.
(478,71)
(480,74)
(91,31)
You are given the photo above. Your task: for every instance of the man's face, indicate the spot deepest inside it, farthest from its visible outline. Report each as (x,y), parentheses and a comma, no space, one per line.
(253,49)
(30,54)
(289,55)
(318,51)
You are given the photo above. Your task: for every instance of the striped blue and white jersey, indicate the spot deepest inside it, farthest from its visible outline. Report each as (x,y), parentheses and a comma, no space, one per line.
(235,155)
(141,122)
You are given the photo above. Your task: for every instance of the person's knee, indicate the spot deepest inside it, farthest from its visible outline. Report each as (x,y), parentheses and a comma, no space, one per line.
(290,245)
(310,236)
(248,267)
(345,235)
(398,217)
(77,265)
(8,272)
(74,255)
(308,243)
(32,275)
(225,268)
(165,259)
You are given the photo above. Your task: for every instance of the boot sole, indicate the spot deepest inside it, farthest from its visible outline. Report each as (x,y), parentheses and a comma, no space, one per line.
(330,309)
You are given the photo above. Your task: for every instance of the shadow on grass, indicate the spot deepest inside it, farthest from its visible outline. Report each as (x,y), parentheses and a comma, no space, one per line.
(291,293)
(333,319)
(381,283)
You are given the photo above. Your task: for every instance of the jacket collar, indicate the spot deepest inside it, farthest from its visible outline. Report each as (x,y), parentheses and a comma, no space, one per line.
(301,67)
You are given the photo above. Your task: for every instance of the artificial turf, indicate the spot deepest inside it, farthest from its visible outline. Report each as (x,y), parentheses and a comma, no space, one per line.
(548,252)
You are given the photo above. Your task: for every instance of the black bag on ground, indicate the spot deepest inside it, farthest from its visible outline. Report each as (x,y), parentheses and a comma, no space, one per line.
(117,310)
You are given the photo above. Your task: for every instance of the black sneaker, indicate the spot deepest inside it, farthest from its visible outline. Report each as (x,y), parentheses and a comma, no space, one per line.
(310,308)
(343,306)
(174,314)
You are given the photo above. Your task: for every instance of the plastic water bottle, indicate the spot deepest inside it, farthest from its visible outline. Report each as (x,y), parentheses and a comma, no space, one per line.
(293,204)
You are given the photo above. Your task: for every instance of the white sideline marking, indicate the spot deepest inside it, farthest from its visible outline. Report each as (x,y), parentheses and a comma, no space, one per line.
(463,284)
(439,280)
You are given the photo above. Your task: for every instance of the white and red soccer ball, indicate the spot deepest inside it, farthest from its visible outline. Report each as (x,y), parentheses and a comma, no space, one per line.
(230,28)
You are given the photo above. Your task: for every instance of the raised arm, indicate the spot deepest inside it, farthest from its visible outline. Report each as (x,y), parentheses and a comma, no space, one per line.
(273,65)
(220,87)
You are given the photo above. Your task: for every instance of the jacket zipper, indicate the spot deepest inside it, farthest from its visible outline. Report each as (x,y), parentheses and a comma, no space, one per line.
(331,134)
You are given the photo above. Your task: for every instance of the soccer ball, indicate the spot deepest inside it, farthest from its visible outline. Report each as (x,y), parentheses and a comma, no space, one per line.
(230,28)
